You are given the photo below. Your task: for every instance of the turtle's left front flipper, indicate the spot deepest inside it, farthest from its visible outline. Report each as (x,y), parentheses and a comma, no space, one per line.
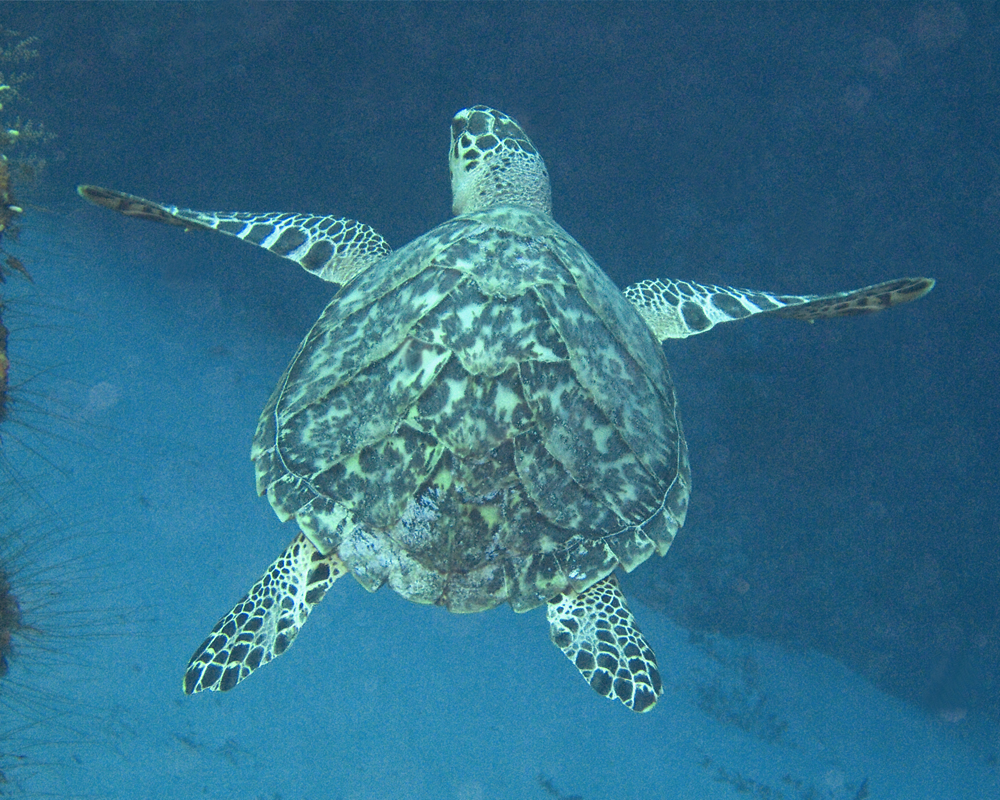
(598,634)
(330,248)
(678,309)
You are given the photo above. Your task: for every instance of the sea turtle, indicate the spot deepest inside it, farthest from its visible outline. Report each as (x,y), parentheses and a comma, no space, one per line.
(480,417)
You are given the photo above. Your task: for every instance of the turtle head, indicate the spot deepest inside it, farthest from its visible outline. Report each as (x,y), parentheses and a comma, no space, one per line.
(493,162)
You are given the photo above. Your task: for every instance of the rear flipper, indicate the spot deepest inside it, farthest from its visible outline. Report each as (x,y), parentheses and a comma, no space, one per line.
(264,624)
(598,634)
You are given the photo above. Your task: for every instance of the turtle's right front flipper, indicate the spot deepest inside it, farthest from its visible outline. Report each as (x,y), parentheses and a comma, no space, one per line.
(676,309)
(330,248)
(264,624)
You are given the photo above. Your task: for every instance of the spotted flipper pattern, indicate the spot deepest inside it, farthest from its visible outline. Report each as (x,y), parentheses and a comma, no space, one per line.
(264,624)
(598,634)
(333,249)
(678,309)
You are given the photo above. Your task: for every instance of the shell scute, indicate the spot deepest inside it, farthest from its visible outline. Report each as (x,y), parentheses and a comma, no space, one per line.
(357,414)
(584,444)
(340,345)
(490,334)
(641,409)
(554,491)
(470,413)
(381,479)
(470,423)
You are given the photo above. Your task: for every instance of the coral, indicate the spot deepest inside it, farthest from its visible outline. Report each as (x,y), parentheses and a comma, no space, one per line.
(26,599)
(15,50)
(15,132)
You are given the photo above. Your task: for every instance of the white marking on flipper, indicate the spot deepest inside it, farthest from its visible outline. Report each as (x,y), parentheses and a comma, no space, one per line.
(331,248)
(598,633)
(677,309)
(266,621)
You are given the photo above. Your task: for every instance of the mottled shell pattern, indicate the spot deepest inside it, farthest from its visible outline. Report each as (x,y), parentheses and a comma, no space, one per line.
(482,417)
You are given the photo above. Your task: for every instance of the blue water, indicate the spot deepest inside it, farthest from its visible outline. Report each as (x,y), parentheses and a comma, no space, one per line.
(826,623)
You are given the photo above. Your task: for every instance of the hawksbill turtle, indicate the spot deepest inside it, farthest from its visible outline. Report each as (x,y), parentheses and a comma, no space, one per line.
(480,417)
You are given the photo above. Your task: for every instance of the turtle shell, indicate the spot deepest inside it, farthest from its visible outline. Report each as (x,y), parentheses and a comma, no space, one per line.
(480,418)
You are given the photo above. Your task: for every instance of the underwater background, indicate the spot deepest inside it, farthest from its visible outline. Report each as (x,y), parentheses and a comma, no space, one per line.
(827,620)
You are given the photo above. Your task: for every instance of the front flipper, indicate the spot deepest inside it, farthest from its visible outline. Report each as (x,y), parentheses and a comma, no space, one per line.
(598,634)
(264,624)
(678,309)
(330,248)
